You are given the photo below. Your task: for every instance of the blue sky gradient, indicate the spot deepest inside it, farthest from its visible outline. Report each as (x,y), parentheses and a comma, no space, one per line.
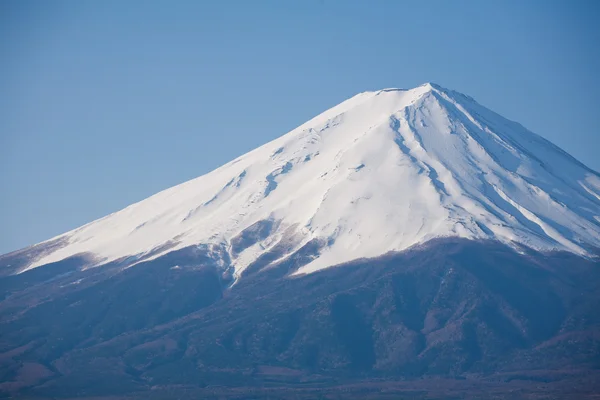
(103,103)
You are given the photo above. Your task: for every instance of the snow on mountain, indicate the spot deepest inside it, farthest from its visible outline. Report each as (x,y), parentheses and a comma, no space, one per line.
(379,172)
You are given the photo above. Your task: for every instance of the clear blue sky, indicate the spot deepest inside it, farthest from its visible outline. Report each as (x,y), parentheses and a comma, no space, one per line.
(103,103)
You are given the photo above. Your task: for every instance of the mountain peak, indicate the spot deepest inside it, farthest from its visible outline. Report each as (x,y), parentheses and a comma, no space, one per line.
(432,86)
(380,172)
(424,88)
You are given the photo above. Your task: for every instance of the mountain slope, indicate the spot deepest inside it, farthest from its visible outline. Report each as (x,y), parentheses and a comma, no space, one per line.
(380,172)
(473,313)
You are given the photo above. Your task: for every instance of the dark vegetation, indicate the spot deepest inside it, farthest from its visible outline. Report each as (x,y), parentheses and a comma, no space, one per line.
(451,319)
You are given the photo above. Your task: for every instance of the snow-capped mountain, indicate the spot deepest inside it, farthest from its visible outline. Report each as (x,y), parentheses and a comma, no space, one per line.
(380,172)
(192,297)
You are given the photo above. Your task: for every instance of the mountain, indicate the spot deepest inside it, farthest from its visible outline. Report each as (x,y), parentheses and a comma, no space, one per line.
(401,234)
(380,172)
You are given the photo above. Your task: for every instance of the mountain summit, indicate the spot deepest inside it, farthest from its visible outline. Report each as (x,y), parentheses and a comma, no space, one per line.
(380,172)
